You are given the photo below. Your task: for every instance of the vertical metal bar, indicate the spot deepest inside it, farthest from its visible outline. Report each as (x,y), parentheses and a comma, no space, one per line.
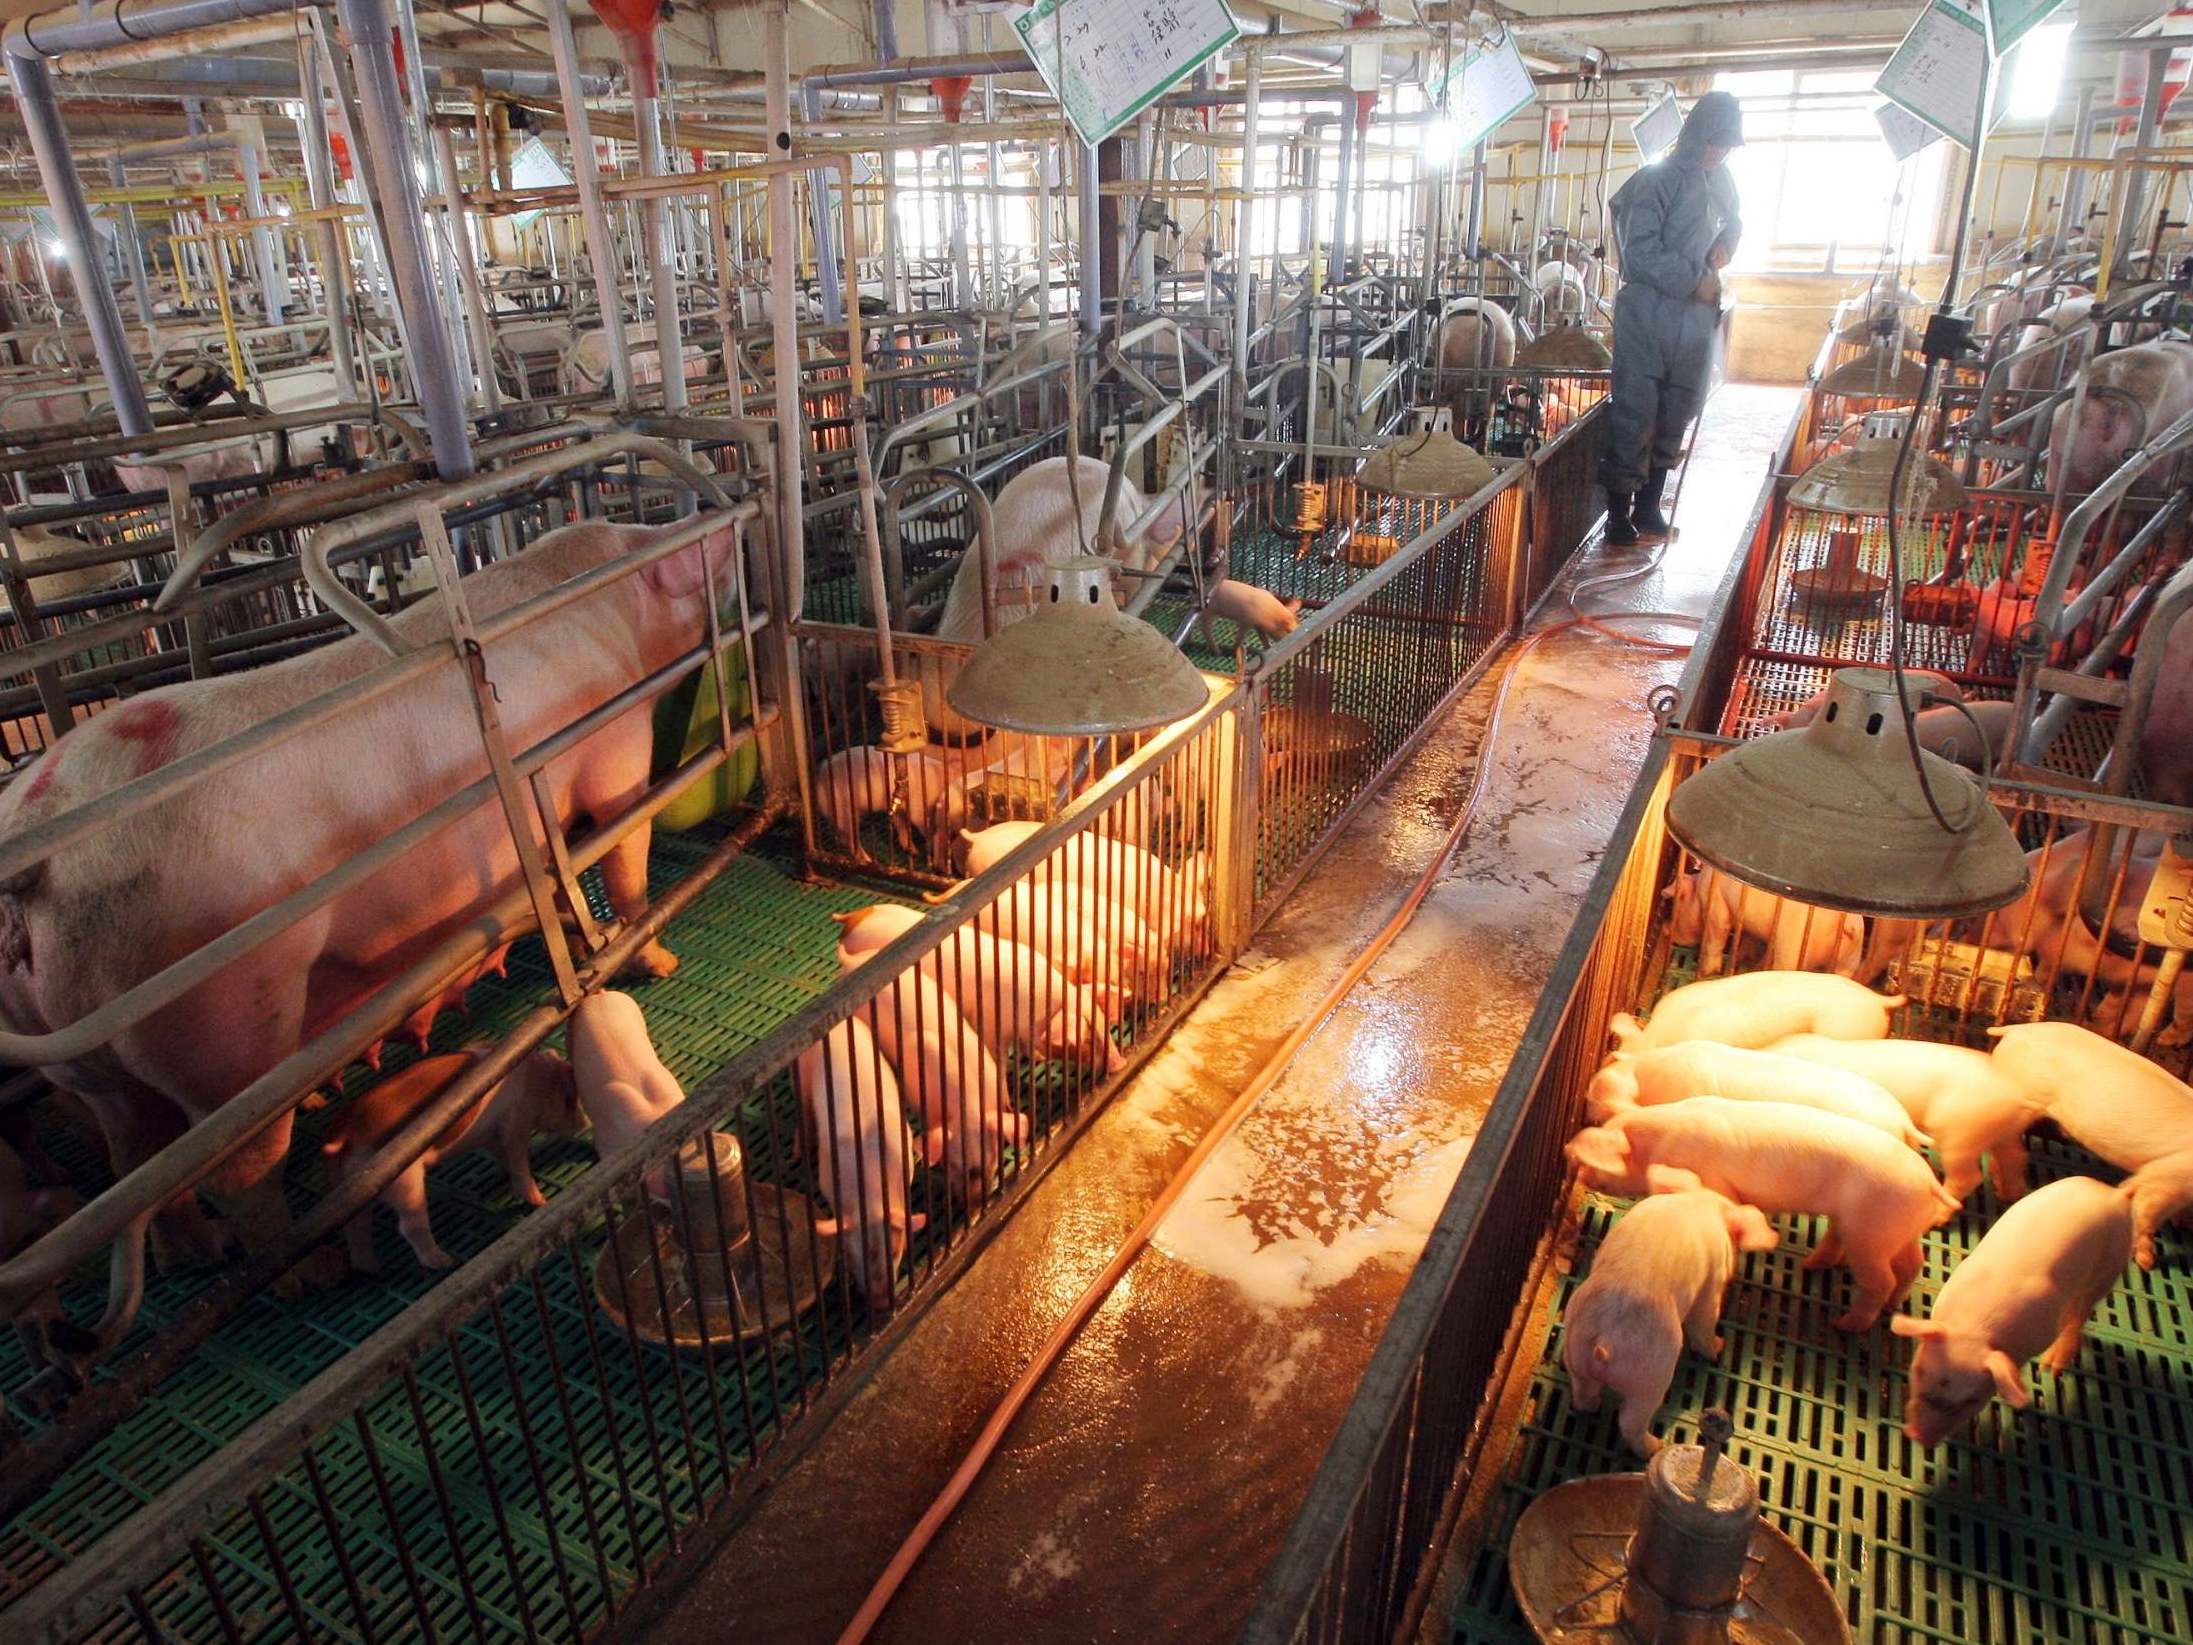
(429,1453)
(520,1587)
(282,1583)
(457,215)
(820,217)
(656,244)
(601,248)
(1092,232)
(340,1545)
(784,299)
(434,368)
(33,83)
(395,1522)
(582,1286)
(320,185)
(133,254)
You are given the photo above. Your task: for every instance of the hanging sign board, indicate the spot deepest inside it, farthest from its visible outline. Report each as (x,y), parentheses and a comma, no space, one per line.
(534,167)
(1937,72)
(2012,20)
(1108,60)
(1657,128)
(1487,89)
(1905,133)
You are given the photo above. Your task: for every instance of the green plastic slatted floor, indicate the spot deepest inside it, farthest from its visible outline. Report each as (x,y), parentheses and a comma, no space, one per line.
(2069,1524)
(754,948)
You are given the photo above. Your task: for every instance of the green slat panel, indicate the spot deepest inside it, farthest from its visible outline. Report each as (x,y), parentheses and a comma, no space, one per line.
(2067,1524)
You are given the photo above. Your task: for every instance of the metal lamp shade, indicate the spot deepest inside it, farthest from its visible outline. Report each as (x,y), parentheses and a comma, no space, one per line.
(1856,482)
(1833,815)
(1078,666)
(1877,374)
(1565,348)
(1431,464)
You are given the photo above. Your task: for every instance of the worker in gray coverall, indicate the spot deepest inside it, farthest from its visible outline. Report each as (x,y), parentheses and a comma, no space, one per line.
(1675,228)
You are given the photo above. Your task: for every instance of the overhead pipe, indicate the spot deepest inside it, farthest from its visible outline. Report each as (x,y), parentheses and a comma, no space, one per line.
(33,85)
(403,218)
(273,269)
(65,29)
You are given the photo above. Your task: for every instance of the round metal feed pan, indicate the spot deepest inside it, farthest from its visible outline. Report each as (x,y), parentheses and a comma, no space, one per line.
(1336,748)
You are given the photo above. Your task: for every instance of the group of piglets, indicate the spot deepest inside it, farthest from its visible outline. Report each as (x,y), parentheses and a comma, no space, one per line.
(1044,971)
(613,1083)
(1779,1092)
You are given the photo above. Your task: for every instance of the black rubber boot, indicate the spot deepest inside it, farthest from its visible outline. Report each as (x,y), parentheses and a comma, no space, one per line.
(1620,533)
(1646,516)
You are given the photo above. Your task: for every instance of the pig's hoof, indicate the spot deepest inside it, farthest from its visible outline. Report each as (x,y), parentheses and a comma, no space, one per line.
(1713,1348)
(317,1270)
(1854,1321)
(313,1102)
(183,1243)
(436,1257)
(652,961)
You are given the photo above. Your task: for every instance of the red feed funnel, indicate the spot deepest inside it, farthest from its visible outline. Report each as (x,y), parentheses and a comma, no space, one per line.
(633,22)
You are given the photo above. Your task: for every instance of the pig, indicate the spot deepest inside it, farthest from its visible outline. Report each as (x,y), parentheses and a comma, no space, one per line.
(1012,994)
(33,545)
(1092,938)
(586,365)
(952,1078)
(1655,1284)
(1255,608)
(2114,1102)
(1115,869)
(1952,1092)
(186,869)
(2049,924)
(1708,907)
(1701,1068)
(1476,333)
(1758,1008)
(2132,395)
(1878,1195)
(28,1206)
(2166,741)
(1560,292)
(2027,1288)
(538,1097)
(1937,685)
(214,460)
(1359,424)
(849,1098)
(858,782)
(2045,370)
(1035,525)
(623,1086)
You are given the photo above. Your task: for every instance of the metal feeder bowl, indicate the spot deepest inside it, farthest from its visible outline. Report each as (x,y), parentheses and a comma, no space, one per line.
(1676,1555)
(1340,742)
(753,1278)
(1839,581)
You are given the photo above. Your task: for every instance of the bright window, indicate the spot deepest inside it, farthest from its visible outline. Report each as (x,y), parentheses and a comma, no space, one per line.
(1818,186)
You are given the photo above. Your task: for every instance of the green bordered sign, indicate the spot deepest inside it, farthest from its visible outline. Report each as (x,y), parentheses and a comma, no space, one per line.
(1904,132)
(2013,20)
(1937,73)
(534,167)
(1108,60)
(1487,89)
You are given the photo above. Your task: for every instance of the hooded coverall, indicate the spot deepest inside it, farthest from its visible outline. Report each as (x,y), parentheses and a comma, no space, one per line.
(1666,219)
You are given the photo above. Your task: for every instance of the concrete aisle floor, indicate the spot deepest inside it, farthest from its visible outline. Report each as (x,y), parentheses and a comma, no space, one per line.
(1153,1476)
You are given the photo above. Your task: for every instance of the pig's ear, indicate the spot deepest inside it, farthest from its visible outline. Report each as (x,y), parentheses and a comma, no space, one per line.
(1599,1149)
(677,576)
(1749,1227)
(2008,1382)
(1903,1325)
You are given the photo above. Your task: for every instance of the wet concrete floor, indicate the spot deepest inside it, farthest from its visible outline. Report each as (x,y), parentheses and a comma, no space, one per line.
(1157,1470)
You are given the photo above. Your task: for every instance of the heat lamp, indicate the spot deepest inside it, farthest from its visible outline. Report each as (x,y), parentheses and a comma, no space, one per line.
(1077,666)
(1676,1555)
(1853,486)
(1844,813)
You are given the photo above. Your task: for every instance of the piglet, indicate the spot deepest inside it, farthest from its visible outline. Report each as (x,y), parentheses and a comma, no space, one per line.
(1709,907)
(1015,997)
(539,1096)
(1952,1092)
(951,1077)
(865,930)
(1655,1285)
(1092,938)
(850,1099)
(2027,1289)
(1114,868)
(1878,1195)
(1256,608)
(1758,1008)
(2115,1102)
(1701,1068)
(623,1086)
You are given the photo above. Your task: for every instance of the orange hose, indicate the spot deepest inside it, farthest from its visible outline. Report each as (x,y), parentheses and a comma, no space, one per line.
(1016,1399)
